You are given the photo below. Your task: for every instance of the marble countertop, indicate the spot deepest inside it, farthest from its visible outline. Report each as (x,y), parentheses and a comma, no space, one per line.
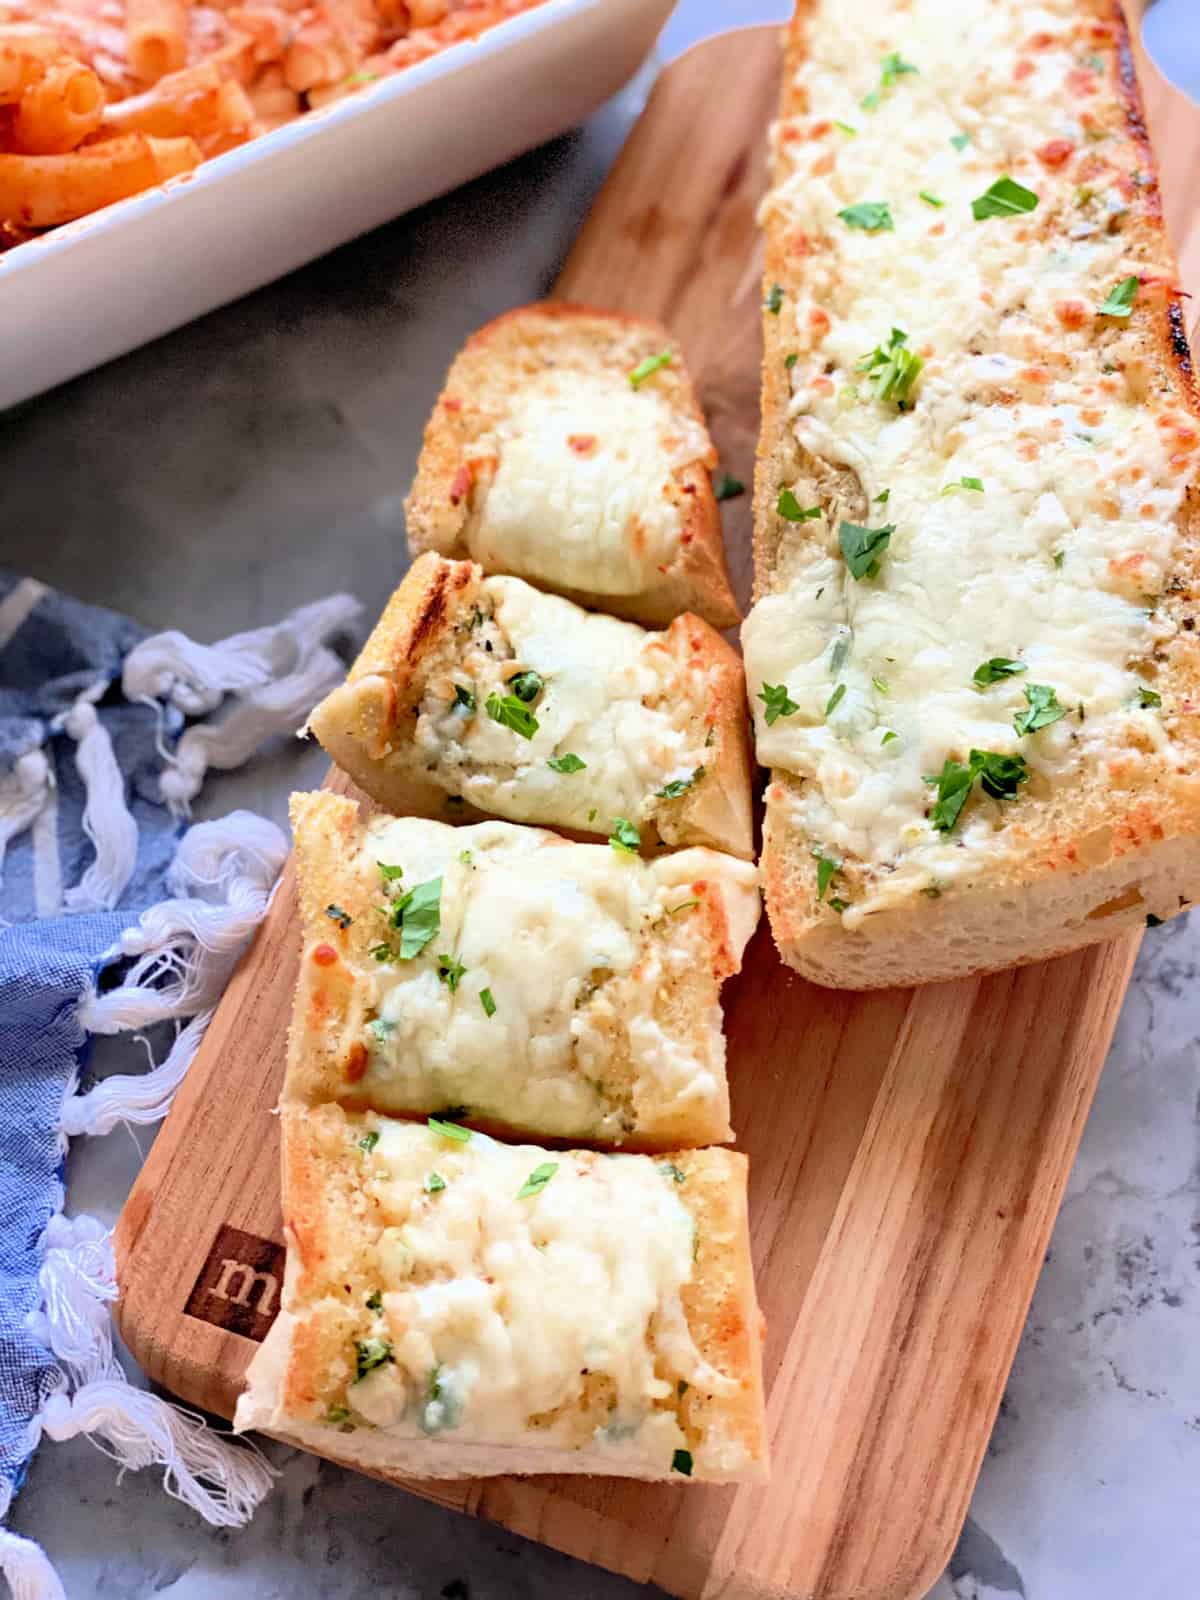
(256,460)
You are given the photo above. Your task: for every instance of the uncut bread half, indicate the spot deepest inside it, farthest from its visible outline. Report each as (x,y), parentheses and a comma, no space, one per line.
(563,449)
(454,1307)
(541,987)
(972,655)
(485,693)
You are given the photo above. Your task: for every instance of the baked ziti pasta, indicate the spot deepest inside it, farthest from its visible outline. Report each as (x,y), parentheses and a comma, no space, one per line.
(100,99)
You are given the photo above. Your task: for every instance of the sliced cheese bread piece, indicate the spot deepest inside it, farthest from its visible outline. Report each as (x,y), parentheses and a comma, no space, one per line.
(562,990)
(972,656)
(456,1307)
(563,449)
(485,693)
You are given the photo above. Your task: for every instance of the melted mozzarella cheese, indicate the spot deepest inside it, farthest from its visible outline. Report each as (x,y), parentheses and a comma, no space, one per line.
(608,699)
(581,492)
(500,1309)
(1058,562)
(564,937)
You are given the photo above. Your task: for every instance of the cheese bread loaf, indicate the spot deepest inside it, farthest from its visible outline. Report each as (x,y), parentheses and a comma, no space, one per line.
(484,693)
(972,657)
(455,1307)
(567,447)
(539,986)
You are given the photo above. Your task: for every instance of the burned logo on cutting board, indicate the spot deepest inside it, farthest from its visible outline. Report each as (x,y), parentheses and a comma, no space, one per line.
(240,1284)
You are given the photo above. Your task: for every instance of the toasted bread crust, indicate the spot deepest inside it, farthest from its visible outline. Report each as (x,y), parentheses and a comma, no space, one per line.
(1082,864)
(494,365)
(332,1225)
(368,725)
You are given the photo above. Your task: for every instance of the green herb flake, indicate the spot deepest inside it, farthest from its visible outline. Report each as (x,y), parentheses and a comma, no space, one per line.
(881,685)
(357,78)
(336,914)
(790,509)
(487,1002)
(464,697)
(337,1414)
(727,487)
(837,904)
(369,1354)
(647,368)
(1043,709)
(960,141)
(681,1461)
(368,1141)
(449,1130)
(882,498)
(382,952)
(567,763)
(974,485)
(678,786)
(537,1180)
(671,1172)
(527,686)
(1148,697)
(930,199)
(996,669)
(684,905)
(835,699)
(889,735)
(891,68)
(999,777)
(872,216)
(510,712)
(847,128)
(774,697)
(450,972)
(434,1183)
(467,858)
(1059,557)
(388,873)
(624,836)
(1120,299)
(375,1301)
(827,869)
(791,360)
(862,547)
(381,1028)
(1005,198)
(418,917)
(893,369)
(774,301)
(837,656)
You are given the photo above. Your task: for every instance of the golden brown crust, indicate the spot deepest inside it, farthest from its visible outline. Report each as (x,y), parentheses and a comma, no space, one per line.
(1095,858)
(493,365)
(368,725)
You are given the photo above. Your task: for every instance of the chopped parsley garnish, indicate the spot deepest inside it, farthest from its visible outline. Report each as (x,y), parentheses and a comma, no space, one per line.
(727,487)
(537,1179)
(467,858)
(889,736)
(891,68)
(930,199)
(837,904)
(1042,710)
(774,301)
(681,1461)
(1005,198)
(862,547)
(883,497)
(998,774)
(893,369)
(511,713)
(337,1414)
(368,1141)
(434,1183)
(387,873)
(647,368)
(678,786)
(487,1002)
(670,1170)
(835,699)
(881,684)
(382,952)
(790,509)
(837,656)
(450,972)
(775,697)
(375,1301)
(993,670)
(1120,299)
(827,869)
(1148,697)
(975,485)
(527,686)
(846,128)
(624,836)
(418,917)
(790,361)
(569,762)
(381,1028)
(872,216)
(369,1354)
(464,697)
(450,1130)
(336,914)
(960,141)
(1059,557)
(684,905)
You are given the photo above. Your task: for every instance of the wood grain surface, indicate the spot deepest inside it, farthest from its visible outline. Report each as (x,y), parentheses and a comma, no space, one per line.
(908,1149)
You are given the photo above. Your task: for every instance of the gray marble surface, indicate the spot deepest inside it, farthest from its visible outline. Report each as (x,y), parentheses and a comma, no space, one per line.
(256,460)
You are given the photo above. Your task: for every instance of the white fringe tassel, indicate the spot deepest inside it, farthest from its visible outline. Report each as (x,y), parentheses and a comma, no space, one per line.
(23,795)
(106,817)
(26,1569)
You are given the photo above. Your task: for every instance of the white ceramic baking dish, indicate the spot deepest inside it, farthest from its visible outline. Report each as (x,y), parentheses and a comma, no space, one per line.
(95,288)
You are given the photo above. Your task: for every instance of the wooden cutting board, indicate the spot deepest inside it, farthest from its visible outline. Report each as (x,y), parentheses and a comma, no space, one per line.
(908,1149)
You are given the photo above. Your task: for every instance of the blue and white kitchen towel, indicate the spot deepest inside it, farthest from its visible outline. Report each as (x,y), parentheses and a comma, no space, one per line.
(115,915)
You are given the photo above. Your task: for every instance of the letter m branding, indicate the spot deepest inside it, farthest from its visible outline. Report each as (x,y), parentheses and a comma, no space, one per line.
(239,1284)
